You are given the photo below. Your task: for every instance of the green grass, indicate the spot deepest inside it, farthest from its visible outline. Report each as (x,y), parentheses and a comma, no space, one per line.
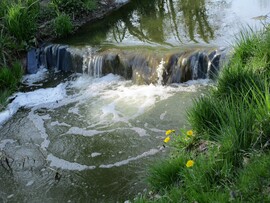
(21,19)
(233,123)
(166,173)
(253,181)
(62,25)
(9,82)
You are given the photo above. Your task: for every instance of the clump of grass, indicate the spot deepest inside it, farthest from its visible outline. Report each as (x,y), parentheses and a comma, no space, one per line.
(4,94)
(10,77)
(165,174)
(21,19)
(248,44)
(62,25)
(9,82)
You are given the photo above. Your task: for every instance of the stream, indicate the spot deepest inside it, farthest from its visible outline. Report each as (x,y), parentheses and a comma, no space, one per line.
(91,133)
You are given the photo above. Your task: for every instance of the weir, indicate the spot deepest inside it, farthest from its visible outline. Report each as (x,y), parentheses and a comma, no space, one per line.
(140,66)
(92,64)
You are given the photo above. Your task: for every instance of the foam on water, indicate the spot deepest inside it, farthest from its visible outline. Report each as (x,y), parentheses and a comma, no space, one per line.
(66,165)
(83,132)
(107,106)
(30,79)
(95,154)
(34,98)
(126,161)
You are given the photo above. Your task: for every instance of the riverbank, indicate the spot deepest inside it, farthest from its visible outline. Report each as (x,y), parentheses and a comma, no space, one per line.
(225,157)
(99,11)
(28,24)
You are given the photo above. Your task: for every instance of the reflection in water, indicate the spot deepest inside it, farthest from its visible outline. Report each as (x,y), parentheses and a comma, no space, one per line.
(163,22)
(158,20)
(172,23)
(196,19)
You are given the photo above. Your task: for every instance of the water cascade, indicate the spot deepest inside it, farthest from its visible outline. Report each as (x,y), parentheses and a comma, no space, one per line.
(92,64)
(160,70)
(142,68)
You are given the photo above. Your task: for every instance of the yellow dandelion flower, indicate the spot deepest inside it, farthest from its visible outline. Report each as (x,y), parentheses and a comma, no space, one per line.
(190,133)
(167,139)
(190,163)
(168,132)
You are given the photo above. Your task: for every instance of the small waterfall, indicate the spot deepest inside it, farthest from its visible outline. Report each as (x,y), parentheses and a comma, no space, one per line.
(160,70)
(92,64)
(142,68)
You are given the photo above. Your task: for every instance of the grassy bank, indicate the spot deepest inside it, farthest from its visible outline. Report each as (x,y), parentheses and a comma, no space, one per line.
(225,158)
(25,23)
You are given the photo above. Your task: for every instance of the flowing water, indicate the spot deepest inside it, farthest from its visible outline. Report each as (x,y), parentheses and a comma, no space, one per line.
(91,137)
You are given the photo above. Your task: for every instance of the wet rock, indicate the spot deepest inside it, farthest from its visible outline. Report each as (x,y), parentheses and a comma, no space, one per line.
(143,70)
(55,56)
(111,64)
(32,63)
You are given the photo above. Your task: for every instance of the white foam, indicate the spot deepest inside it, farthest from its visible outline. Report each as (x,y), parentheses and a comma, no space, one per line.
(121,1)
(141,132)
(66,165)
(162,115)
(30,79)
(34,98)
(56,123)
(95,154)
(31,182)
(125,162)
(83,132)
(40,96)
(39,124)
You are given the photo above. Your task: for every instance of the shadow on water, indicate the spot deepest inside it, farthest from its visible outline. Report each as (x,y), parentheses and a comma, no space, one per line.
(162,22)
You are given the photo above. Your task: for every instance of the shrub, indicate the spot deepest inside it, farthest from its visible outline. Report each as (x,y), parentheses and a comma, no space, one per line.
(62,25)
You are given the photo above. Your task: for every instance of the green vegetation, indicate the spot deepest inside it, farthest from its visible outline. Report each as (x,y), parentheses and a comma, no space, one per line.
(25,22)
(74,8)
(21,19)
(63,25)
(9,81)
(229,145)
